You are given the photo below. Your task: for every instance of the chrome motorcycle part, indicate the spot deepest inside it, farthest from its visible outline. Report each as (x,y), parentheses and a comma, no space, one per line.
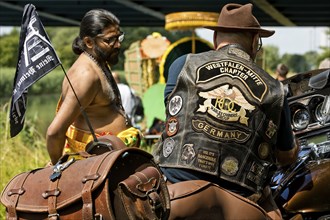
(300,119)
(318,112)
(325,110)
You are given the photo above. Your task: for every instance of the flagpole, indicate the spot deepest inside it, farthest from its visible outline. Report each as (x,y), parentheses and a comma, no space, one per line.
(81,107)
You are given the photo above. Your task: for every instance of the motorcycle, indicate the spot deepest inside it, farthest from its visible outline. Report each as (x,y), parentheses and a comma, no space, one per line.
(302,191)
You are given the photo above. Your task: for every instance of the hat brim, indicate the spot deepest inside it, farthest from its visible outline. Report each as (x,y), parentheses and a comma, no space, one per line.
(262,32)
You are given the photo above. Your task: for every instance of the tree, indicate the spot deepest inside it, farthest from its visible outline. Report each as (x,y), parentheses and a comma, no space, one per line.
(9,48)
(271,57)
(325,50)
(62,38)
(311,58)
(296,63)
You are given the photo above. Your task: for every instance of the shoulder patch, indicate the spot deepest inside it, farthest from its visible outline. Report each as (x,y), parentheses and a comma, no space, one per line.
(234,69)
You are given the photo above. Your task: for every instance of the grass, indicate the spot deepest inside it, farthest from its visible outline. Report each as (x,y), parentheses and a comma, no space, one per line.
(22,153)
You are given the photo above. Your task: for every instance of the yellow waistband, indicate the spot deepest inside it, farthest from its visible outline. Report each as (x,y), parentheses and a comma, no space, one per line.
(77,139)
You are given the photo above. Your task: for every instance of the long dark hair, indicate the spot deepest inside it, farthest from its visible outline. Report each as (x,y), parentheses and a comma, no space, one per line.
(92,24)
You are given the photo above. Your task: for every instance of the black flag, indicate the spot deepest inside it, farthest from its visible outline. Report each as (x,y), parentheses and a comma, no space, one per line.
(36,57)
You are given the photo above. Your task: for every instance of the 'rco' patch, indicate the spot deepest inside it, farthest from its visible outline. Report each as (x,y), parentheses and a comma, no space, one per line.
(218,133)
(226,104)
(234,69)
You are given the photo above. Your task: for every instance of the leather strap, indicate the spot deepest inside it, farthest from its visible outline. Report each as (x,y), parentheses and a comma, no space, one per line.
(14,196)
(51,195)
(86,193)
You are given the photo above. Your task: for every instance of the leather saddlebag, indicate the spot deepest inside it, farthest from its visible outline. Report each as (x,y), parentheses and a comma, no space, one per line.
(199,199)
(120,184)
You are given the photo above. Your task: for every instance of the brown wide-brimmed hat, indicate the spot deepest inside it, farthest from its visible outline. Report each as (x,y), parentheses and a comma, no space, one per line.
(236,17)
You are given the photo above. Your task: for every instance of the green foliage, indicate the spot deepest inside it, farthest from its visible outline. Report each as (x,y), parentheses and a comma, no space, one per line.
(22,153)
(272,57)
(311,59)
(62,38)
(296,63)
(49,84)
(6,81)
(9,49)
(325,50)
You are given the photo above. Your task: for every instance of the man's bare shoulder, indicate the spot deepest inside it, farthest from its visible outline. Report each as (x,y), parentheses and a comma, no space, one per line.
(85,69)
(84,76)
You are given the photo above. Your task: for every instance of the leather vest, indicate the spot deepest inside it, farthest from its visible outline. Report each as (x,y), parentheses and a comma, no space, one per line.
(222,118)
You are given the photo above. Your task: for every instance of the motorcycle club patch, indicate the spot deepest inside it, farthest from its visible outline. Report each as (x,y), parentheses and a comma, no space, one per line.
(175,105)
(234,69)
(216,133)
(172,126)
(271,129)
(168,147)
(188,153)
(229,166)
(207,160)
(226,103)
(256,173)
(263,150)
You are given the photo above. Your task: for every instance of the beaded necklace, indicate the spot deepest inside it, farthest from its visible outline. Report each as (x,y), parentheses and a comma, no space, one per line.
(113,84)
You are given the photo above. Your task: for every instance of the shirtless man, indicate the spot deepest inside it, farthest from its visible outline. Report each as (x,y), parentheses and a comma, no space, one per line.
(98,47)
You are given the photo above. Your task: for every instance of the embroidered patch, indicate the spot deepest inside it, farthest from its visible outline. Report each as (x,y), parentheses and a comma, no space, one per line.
(257,169)
(226,104)
(271,129)
(233,69)
(207,160)
(188,153)
(263,150)
(217,133)
(256,173)
(229,166)
(175,105)
(172,126)
(168,147)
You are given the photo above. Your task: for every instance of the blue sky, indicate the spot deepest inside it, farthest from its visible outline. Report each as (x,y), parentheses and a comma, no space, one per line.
(293,40)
